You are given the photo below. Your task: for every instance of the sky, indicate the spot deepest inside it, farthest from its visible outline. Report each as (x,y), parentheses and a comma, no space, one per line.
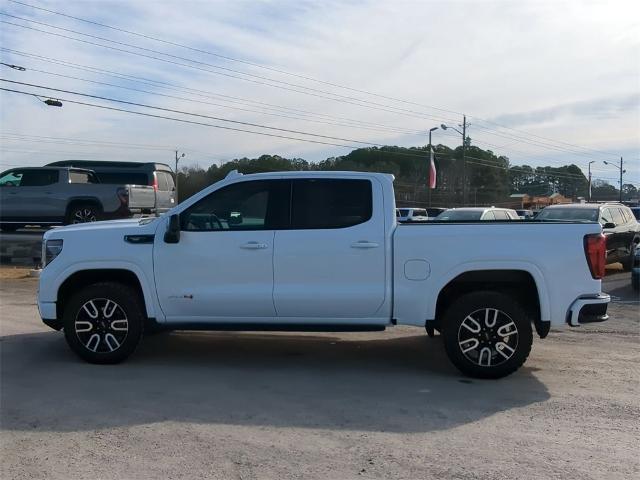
(541,82)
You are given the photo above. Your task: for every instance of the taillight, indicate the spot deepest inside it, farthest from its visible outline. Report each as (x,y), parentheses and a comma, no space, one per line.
(595,249)
(155,181)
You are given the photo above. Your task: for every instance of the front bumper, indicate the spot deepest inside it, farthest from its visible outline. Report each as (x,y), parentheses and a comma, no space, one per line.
(588,309)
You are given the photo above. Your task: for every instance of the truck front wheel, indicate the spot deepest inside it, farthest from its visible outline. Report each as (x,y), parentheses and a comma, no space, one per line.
(103,323)
(487,334)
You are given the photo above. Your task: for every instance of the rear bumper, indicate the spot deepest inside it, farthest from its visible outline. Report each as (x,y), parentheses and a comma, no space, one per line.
(588,309)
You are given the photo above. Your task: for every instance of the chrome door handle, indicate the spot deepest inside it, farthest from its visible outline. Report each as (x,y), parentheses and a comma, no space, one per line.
(254,246)
(364,244)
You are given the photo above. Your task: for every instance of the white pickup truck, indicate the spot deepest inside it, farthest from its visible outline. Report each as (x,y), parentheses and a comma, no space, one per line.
(320,251)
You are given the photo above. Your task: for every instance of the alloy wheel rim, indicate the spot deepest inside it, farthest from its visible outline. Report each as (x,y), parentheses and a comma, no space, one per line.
(84,215)
(101,325)
(488,337)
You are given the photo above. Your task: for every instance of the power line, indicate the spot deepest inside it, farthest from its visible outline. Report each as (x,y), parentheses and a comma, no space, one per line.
(148,92)
(265,81)
(345,100)
(213,95)
(149,37)
(219,119)
(233,59)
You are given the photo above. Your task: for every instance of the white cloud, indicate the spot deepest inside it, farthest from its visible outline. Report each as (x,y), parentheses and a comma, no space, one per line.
(492,60)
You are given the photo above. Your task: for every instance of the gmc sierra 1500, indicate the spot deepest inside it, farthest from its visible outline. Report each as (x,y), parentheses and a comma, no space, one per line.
(320,251)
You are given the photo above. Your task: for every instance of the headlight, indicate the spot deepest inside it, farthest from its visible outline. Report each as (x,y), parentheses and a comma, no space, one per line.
(52,249)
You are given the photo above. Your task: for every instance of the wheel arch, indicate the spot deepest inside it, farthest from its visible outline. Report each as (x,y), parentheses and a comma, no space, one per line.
(85,277)
(526,285)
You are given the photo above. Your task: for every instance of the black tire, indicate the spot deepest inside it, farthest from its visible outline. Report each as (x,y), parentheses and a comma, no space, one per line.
(90,328)
(83,213)
(627,263)
(500,349)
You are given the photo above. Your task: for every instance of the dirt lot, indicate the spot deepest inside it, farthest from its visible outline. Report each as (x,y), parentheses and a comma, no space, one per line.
(339,406)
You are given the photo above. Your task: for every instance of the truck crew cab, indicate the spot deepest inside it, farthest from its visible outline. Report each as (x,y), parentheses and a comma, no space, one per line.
(320,251)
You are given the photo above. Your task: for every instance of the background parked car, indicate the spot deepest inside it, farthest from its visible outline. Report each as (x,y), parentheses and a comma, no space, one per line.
(525,214)
(470,214)
(158,175)
(636,212)
(433,212)
(62,195)
(618,224)
(412,214)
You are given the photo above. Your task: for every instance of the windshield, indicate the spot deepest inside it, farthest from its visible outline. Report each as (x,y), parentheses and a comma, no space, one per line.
(460,215)
(584,214)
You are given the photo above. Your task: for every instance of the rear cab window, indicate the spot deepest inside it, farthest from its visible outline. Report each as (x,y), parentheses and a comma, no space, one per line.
(330,203)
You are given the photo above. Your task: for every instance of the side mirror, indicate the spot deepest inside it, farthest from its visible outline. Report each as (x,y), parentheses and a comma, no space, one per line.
(172,235)
(609,225)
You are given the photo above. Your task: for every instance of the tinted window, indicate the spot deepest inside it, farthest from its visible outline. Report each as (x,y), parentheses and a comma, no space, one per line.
(419,212)
(253,205)
(636,213)
(404,212)
(38,178)
(82,177)
(124,178)
(329,203)
(489,215)
(501,215)
(568,214)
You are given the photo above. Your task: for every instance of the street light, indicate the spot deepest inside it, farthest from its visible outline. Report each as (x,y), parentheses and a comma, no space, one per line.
(464,160)
(621,172)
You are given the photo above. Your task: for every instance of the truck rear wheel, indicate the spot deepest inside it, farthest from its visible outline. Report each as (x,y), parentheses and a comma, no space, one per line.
(103,323)
(487,334)
(82,213)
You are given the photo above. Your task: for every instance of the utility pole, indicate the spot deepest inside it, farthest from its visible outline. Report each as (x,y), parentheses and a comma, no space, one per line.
(589,192)
(178,157)
(621,172)
(464,160)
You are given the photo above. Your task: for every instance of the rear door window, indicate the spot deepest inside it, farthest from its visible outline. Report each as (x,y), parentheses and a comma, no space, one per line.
(488,216)
(38,178)
(501,215)
(330,203)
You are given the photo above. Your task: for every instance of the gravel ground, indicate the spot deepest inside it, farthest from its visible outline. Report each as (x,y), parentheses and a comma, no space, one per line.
(339,406)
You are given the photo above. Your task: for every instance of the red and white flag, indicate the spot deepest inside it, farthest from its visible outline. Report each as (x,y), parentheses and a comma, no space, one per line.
(432,171)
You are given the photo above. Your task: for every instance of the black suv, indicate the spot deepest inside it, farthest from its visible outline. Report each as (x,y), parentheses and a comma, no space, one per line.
(158,175)
(618,224)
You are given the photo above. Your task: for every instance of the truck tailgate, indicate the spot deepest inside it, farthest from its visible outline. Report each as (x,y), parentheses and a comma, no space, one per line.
(141,197)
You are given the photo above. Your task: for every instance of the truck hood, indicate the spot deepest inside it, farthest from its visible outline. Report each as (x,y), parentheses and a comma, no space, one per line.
(133,225)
